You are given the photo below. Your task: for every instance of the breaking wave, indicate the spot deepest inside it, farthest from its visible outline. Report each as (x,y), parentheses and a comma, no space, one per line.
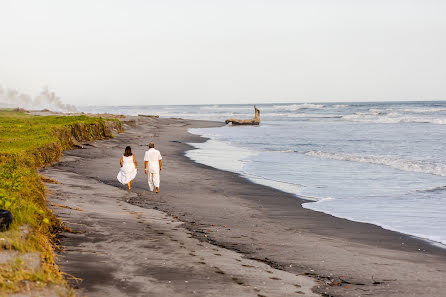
(293,107)
(301,115)
(223,107)
(400,164)
(340,105)
(433,190)
(377,116)
(424,110)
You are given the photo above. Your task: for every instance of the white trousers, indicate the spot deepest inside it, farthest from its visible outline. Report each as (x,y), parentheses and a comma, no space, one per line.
(153,180)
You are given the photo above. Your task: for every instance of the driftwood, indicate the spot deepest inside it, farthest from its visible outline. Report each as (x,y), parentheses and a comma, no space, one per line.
(254,121)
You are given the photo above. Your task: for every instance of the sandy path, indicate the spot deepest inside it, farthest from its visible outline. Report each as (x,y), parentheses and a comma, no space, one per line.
(126,250)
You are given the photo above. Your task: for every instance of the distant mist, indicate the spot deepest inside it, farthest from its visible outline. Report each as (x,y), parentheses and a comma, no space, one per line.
(46,99)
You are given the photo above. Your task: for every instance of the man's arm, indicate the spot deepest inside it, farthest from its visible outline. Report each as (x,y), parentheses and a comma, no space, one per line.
(161,164)
(145,166)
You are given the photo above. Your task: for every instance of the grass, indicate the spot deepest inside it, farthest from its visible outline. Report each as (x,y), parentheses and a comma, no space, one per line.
(27,143)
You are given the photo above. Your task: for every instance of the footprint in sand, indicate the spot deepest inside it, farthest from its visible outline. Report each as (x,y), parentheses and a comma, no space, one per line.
(219,271)
(238,281)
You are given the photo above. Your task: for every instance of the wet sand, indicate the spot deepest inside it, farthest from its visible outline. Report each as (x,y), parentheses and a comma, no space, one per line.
(225,212)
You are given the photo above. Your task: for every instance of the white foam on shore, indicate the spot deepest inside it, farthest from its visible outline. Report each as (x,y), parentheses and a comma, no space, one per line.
(219,155)
(224,156)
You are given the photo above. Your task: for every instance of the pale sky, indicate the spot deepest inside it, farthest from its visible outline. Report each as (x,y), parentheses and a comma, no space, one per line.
(198,52)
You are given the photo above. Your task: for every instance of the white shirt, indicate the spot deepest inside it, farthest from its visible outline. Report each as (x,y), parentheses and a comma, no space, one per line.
(153,156)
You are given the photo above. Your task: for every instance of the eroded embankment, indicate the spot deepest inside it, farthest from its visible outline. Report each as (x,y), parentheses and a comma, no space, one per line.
(28,143)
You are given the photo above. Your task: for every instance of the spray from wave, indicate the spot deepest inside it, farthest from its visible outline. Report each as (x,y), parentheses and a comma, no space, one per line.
(46,99)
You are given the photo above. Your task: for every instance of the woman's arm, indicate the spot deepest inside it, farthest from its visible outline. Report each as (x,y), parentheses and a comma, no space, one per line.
(120,161)
(134,161)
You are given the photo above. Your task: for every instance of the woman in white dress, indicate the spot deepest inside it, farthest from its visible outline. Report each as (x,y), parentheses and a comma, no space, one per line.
(128,168)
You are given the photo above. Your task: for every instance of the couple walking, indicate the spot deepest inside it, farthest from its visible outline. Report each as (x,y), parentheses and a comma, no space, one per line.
(152,165)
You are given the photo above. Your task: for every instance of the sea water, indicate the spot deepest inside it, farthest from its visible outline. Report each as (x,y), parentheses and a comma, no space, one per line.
(380,163)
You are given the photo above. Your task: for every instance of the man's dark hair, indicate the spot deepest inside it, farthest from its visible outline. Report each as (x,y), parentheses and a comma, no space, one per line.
(128,151)
(151,145)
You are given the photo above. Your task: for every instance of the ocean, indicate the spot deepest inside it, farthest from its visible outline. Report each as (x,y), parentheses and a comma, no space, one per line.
(382,163)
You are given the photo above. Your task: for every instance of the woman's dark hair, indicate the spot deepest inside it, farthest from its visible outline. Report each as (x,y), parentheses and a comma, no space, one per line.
(128,151)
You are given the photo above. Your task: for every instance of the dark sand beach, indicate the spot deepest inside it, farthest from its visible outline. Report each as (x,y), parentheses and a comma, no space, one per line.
(213,233)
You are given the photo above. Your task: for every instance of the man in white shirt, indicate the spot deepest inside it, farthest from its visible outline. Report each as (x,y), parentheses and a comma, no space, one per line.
(152,160)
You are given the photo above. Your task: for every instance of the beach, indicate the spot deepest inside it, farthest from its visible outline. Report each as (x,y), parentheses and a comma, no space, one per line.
(303,149)
(265,229)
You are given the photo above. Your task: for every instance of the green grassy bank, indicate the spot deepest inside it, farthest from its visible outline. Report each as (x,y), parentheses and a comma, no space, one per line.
(27,143)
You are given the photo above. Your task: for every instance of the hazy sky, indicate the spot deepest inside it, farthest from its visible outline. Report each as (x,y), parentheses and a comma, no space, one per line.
(196,52)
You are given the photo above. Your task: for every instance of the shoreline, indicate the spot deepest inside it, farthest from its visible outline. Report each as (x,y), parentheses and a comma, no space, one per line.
(301,200)
(304,200)
(263,223)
